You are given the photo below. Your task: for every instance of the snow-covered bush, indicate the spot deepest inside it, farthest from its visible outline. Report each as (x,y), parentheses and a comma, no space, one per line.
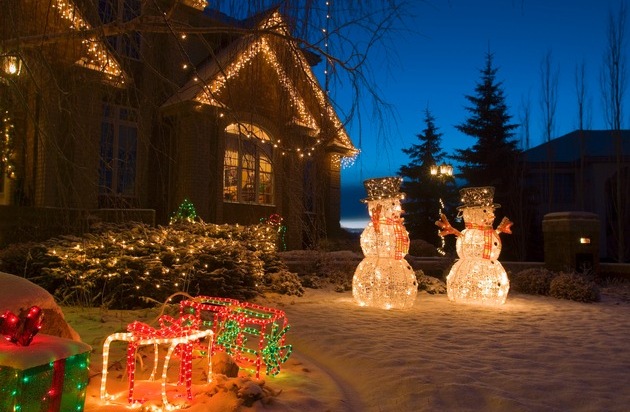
(575,287)
(532,281)
(136,265)
(430,284)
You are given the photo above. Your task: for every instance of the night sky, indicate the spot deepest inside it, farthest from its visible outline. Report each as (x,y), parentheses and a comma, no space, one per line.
(434,60)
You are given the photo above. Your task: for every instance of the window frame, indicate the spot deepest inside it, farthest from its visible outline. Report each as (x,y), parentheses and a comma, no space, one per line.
(248,176)
(118,155)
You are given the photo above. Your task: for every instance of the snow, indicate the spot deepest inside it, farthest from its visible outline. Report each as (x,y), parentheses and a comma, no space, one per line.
(533,353)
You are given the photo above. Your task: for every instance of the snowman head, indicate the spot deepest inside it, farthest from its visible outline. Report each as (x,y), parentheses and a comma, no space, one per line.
(385,208)
(483,215)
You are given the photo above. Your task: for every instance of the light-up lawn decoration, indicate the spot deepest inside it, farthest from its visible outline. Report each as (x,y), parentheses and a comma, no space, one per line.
(251,333)
(477,277)
(384,279)
(182,332)
(50,374)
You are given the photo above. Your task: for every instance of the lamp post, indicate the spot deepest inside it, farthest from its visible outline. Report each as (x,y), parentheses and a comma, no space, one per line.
(442,171)
(11,64)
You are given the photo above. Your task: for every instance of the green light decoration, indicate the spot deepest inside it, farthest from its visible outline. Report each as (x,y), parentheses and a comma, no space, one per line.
(228,336)
(185,213)
(275,353)
(49,375)
(275,222)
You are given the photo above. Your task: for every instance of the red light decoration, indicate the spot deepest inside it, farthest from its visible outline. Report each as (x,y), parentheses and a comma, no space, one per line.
(21,329)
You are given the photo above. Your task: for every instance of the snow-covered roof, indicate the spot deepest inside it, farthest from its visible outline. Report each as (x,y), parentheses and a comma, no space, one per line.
(568,148)
(211,77)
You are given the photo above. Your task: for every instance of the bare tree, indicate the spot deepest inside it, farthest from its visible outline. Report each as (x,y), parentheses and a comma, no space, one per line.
(581,98)
(548,105)
(342,35)
(613,85)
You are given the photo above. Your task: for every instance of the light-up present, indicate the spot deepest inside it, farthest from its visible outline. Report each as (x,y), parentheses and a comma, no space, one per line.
(180,334)
(477,277)
(51,374)
(383,278)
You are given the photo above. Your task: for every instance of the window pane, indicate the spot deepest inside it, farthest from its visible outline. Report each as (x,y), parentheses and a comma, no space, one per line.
(230,174)
(107,158)
(127,161)
(248,193)
(265,188)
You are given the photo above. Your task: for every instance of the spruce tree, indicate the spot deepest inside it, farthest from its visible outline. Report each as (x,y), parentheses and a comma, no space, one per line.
(424,191)
(492,160)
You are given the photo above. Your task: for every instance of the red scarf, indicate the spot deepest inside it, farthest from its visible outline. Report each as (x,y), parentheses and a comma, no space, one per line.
(487,237)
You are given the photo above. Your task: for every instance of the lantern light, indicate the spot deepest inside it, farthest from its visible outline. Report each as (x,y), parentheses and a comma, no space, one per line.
(11,64)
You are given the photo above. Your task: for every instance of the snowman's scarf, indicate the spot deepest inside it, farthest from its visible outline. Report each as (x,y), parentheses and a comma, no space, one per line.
(400,234)
(487,237)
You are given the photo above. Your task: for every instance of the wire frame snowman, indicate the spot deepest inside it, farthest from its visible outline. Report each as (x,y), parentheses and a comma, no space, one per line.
(384,279)
(477,276)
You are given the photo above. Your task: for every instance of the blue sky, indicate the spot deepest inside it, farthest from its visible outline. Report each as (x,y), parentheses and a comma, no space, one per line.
(434,61)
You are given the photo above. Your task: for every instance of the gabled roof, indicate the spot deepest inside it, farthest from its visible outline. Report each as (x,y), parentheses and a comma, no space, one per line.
(96,54)
(568,148)
(213,76)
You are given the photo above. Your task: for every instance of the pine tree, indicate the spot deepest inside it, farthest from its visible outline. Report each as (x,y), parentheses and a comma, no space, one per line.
(424,191)
(492,160)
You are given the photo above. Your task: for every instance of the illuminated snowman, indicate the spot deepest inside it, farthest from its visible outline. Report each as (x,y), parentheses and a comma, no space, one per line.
(477,277)
(384,279)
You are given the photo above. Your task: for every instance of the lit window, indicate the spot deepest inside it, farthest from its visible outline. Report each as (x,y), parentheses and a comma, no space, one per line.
(247,166)
(119,141)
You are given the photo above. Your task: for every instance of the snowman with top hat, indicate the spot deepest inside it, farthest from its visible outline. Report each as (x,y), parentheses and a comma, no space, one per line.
(477,276)
(384,279)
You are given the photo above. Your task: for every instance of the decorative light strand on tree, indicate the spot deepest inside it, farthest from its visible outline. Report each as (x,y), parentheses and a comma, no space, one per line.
(6,148)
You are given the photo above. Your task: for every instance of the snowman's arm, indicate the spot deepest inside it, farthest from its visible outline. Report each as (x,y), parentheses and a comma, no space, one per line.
(445,227)
(505,226)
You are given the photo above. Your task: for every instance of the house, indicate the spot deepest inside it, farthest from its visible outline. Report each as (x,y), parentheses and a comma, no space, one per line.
(121,109)
(582,171)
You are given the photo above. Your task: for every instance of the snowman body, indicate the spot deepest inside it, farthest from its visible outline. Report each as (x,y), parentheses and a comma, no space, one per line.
(478,277)
(384,279)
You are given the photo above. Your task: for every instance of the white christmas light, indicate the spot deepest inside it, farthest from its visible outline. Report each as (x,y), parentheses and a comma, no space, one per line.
(384,279)
(477,277)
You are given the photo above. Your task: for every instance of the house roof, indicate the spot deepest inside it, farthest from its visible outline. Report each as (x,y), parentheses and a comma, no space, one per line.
(568,148)
(96,54)
(212,76)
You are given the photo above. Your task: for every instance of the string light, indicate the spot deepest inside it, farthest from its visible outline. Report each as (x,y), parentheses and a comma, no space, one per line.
(251,333)
(174,332)
(51,374)
(477,277)
(250,48)
(98,57)
(6,145)
(384,279)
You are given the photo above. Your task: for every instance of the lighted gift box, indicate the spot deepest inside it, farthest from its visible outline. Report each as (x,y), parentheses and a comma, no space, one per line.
(51,374)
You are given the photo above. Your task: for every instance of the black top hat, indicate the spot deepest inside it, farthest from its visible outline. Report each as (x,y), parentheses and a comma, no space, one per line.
(383,188)
(477,197)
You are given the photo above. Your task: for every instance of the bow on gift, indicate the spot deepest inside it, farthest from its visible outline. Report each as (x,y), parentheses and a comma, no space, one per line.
(169,327)
(21,329)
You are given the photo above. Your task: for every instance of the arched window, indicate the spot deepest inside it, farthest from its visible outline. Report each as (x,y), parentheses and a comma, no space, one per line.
(247,168)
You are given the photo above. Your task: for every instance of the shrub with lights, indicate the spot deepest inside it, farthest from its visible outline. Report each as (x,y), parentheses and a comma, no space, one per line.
(137,265)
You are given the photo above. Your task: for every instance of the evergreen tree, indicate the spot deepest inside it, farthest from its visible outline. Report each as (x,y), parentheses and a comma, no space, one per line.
(423,190)
(492,160)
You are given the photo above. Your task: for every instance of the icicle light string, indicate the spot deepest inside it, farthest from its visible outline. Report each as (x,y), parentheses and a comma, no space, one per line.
(98,57)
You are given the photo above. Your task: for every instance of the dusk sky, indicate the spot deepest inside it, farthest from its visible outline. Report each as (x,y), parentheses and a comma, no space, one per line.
(436,61)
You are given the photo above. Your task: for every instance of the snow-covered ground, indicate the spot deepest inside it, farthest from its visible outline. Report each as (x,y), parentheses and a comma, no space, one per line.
(531,354)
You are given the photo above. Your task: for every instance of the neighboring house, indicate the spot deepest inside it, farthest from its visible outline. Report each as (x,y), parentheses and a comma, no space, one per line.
(161,105)
(581,171)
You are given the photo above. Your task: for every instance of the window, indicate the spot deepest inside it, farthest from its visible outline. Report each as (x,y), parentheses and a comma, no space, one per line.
(119,141)
(247,167)
(110,11)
